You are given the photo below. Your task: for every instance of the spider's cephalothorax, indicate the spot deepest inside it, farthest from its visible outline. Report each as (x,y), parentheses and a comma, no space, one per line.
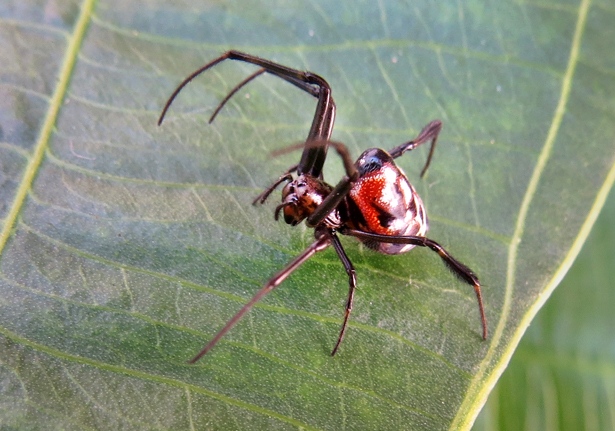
(301,197)
(374,201)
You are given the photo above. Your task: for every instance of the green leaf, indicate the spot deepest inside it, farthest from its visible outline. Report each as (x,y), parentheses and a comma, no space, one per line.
(561,376)
(125,247)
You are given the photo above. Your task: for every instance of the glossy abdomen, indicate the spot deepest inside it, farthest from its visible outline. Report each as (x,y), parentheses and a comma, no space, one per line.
(386,202)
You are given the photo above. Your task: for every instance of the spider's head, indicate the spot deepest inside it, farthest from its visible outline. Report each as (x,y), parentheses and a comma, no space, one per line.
(301,197)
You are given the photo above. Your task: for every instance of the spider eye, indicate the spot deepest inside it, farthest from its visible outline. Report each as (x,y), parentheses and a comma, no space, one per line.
(371,161)
(288,189)
(372,165)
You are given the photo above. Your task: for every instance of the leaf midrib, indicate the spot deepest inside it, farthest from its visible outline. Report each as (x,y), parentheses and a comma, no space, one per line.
(55,103)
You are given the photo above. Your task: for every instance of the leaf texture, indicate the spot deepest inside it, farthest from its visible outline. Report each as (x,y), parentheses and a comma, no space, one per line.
(125,246)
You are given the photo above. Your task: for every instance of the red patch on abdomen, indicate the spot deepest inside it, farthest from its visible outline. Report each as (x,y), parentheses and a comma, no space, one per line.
(367,195)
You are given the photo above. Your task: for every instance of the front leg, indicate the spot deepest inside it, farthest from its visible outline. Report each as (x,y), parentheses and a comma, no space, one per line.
(340,191)
(286,176)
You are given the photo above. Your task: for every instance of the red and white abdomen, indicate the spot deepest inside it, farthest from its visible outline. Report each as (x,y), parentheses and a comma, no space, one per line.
(386,201)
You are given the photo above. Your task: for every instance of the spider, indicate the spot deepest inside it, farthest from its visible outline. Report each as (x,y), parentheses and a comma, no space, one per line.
(374,201)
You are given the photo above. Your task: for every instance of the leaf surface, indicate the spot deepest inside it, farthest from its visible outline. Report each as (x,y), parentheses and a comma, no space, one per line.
(125,247)
(561,376)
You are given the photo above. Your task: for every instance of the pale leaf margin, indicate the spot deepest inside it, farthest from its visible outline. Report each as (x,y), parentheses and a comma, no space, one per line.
(480,387)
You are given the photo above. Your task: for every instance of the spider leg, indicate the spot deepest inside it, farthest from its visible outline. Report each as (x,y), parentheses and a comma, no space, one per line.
(312,159)
(302,85)
(295,77)
(233,91)
(429,132)
(352,285)
(340,191)
(286,176)
(322,242)
(459,269)
(340,148)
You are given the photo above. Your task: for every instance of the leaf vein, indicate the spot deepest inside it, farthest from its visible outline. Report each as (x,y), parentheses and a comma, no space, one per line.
(478,391)
(74,43)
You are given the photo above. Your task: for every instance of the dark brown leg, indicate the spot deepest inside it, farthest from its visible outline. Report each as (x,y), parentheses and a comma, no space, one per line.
(286,176)
(313,158)
(302,85)
(340,191)
(233,91)
(352,285)
(304,80)
(320,244)
(429,132)
(459,269)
